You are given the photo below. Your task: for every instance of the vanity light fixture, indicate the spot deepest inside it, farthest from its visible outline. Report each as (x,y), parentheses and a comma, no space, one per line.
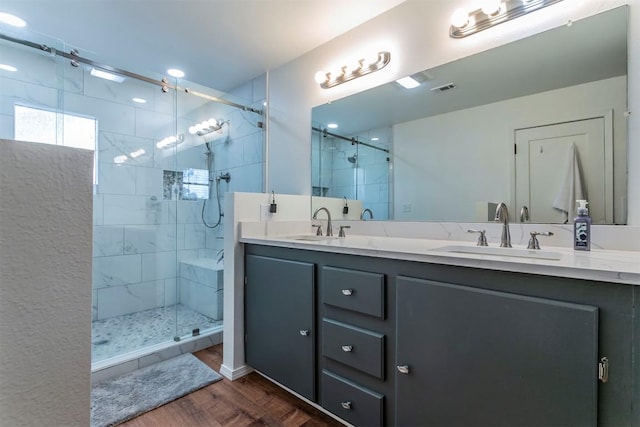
(137,153)
(493,12)
(170,141)
(359,68)
(206,127)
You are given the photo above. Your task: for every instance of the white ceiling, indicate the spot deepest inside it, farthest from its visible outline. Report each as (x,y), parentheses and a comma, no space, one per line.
(218,43)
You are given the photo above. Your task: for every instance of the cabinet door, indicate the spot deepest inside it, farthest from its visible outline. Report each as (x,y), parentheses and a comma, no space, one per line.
(279,319)
(477,357)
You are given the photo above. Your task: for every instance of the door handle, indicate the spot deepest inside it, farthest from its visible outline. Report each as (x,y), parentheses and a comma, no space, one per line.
(304,332)
(403,369)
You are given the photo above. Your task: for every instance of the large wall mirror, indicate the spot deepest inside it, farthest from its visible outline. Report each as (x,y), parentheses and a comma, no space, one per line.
(536,123)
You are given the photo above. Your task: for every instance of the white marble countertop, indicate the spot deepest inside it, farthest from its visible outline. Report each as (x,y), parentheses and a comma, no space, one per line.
(601,265)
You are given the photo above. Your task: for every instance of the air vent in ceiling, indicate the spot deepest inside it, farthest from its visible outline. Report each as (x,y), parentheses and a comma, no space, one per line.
(443,88)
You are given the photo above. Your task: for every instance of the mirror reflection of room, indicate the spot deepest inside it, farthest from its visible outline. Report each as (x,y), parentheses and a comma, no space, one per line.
(536,123)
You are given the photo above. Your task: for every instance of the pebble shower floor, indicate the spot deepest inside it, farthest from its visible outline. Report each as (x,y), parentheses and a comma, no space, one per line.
(123,334)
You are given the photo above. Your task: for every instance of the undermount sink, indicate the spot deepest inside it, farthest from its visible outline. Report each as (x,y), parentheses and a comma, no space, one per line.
(498,251)
(313,238)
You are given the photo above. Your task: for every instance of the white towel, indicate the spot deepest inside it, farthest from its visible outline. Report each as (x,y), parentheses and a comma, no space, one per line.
(571,188)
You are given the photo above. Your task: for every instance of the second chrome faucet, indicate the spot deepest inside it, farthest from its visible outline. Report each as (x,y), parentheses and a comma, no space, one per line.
(502,214)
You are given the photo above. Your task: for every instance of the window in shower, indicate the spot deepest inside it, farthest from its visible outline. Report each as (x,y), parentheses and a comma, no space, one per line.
(189,184)
(56,128)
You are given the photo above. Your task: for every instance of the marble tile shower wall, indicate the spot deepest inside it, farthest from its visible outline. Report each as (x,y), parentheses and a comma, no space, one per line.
(139,238)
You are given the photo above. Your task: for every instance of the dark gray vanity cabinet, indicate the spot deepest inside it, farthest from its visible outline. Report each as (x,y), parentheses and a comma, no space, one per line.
(280,321)
(402,343)
(469,356)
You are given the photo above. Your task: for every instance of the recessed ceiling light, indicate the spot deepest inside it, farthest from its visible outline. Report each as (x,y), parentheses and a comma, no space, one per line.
(375,138)
(107,76)
(13,20)
(139,100)
(408,82)
(8,68)
(174,72)
(332,126)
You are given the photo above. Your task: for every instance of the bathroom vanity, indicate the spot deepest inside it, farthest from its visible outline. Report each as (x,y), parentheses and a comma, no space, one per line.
(382,336)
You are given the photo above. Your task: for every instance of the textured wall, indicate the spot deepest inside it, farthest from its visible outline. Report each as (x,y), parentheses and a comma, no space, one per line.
(45,284)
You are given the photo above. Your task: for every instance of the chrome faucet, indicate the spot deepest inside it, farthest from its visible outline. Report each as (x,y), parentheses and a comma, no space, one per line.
(364,211)
(329,228)
(524,214)
(502,214)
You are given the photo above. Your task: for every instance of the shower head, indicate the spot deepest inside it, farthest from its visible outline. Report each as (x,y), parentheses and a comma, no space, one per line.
(353,159)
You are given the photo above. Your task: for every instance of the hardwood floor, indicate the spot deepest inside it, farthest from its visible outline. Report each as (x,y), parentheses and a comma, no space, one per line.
(248,401)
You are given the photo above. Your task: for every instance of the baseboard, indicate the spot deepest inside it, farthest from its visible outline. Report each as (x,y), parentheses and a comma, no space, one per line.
(234,374)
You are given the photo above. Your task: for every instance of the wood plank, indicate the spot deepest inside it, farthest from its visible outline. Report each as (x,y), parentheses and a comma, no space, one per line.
(248,401)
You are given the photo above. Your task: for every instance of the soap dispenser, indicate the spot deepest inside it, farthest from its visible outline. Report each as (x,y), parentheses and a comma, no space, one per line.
(582,228)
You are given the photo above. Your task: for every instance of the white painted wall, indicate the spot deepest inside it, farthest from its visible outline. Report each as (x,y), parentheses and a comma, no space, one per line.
(250,207)
(45,284)
(474,141)
(416,34)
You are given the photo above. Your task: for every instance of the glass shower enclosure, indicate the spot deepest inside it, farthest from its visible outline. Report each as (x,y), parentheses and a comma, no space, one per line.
(165,155)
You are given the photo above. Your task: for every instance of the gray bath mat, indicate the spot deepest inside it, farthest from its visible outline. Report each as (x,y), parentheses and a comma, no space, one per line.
(118,399)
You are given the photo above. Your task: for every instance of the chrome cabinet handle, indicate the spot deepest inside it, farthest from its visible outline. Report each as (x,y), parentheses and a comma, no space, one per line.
(347,348)
(304,332)
(347,292)
(346,405)
(404,369)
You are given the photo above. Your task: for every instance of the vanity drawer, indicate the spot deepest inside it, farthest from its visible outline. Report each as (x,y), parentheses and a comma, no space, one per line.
(354,290)
(351,402)
(359,348)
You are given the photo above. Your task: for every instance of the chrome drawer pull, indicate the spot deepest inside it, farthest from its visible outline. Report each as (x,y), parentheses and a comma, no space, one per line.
(304,332)
(347,348)
(346,405)
(404,369)
(347,292)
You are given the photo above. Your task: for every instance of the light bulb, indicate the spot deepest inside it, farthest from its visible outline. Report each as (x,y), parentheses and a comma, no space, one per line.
(192,130)
(321,77)
(491,7)
(354,67)
(460,18)
(337,73)
(370,59)
(212,123)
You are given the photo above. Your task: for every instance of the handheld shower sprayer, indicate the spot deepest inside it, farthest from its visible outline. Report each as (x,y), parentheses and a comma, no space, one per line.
(214,183)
